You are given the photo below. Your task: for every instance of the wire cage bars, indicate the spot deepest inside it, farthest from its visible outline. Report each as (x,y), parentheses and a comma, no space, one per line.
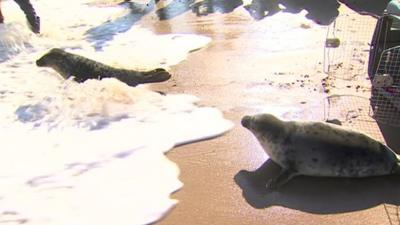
(353,112)
(385,97)
(347,47)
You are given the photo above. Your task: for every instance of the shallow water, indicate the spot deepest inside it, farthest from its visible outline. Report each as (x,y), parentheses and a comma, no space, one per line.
(72,152)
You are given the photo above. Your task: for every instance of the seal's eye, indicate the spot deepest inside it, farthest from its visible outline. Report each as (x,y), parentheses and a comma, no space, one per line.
(246,121)
(39,62)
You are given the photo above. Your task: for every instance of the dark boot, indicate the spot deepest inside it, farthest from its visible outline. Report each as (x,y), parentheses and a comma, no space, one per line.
(33,19)
(1,15)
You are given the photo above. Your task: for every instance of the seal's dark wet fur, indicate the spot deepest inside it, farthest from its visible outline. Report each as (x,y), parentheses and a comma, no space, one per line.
(82,68)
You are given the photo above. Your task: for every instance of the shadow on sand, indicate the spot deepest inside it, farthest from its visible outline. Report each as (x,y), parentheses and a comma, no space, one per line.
(203,8)
(367,7)
(321,12)
(318,195)
(105,32)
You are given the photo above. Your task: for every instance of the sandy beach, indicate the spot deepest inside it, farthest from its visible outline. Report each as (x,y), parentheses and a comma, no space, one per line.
(238,74)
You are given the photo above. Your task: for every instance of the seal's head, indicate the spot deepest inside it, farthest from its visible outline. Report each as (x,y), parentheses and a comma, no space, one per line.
(50,58)
(265,126)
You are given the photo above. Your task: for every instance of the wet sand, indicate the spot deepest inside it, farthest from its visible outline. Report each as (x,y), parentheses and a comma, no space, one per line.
(236,74)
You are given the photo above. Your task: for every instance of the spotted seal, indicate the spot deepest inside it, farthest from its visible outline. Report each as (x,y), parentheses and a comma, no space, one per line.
(82,68)
(319,149)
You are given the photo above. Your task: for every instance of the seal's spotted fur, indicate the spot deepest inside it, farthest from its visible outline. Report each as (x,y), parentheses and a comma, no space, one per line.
(320,149)
(81,68)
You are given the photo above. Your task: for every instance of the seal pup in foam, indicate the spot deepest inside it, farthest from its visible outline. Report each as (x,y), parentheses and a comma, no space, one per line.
(319,149)
(82,68)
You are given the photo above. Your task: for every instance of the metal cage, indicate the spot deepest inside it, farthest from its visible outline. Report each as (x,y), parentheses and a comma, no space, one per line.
(385,97)
(384,71)
(353,112)
(346,54)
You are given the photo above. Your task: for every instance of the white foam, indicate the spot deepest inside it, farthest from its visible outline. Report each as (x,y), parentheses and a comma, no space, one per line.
(13,40)
(90,153)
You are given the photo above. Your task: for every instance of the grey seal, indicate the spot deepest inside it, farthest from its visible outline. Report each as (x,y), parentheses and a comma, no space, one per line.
(319,149)
(82,68)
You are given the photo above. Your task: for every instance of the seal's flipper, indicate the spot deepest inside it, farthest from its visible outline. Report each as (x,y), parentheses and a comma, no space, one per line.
(133,78)
(281,179)
(157,75)
(334,121)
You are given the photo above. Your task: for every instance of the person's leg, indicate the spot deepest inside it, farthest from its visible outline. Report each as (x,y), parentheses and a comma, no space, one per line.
(1,15)
(33,19)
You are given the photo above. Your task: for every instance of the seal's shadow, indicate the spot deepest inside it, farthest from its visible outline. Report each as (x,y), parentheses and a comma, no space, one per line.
(318,195)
